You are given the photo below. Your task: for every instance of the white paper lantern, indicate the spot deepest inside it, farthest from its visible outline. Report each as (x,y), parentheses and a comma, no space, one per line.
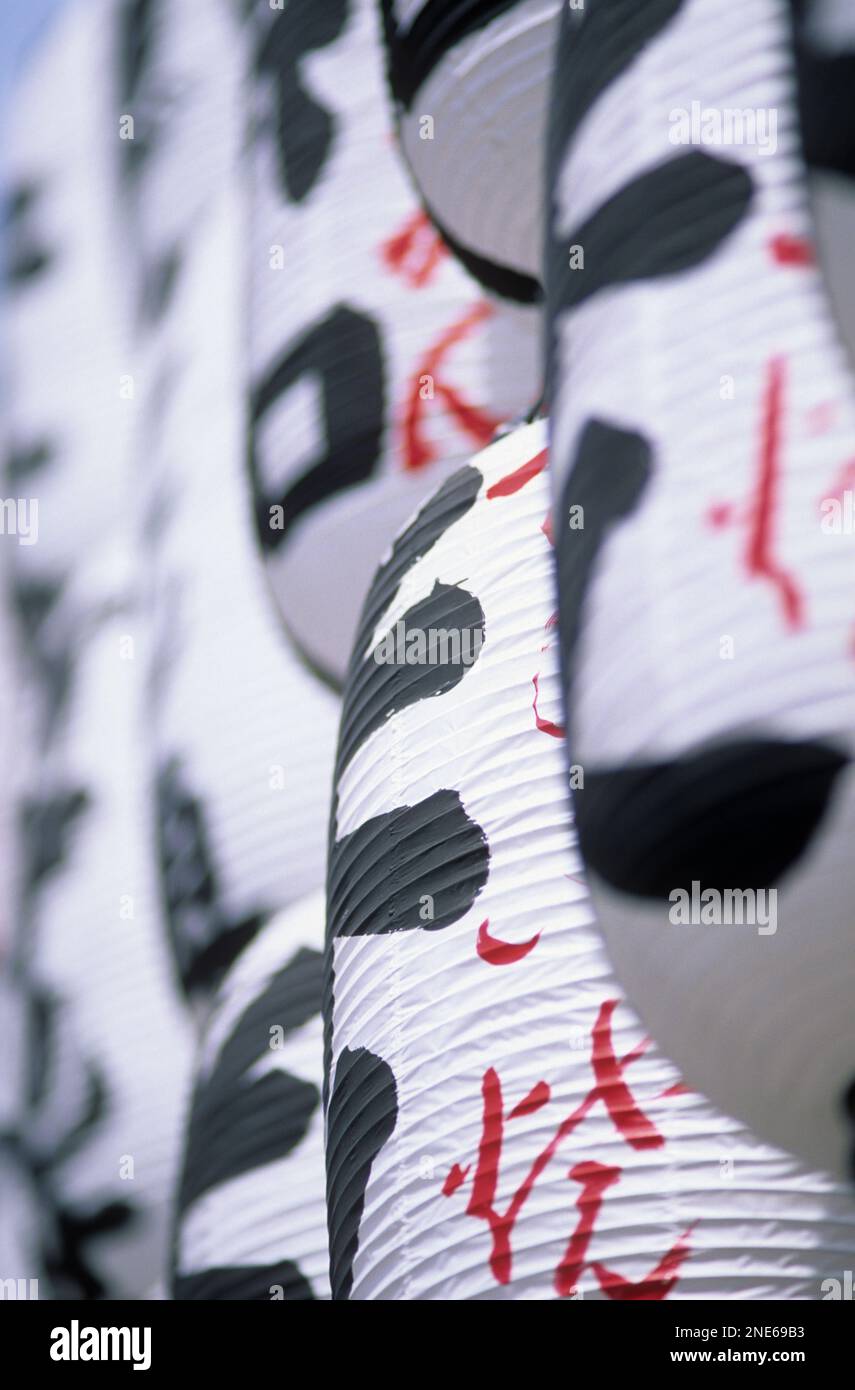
(108,1032)
(704,426)
(377,363)
(242,732)
(251,1211)
(499,1126)
(70,405)
(471,87)
(105,1039)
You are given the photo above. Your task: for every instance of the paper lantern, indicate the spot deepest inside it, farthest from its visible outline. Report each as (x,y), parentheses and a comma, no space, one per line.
(97,1086)
(377,363)
(471,88)
(498,1124)
(251,1221)
(704,427)
(70,376)
(31,1230)
(108,1036)
(242,733)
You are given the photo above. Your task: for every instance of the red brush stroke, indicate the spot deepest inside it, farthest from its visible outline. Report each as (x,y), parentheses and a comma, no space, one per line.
(596,1179)
(417,451)
(628,1117)
(792,250)
(545,726)
(512,482)
(659,1282)
(456,1178)
(497,952)
(845,482)
(415,251)
(629,1120)
(537,1097)
(759,558)
(470,418)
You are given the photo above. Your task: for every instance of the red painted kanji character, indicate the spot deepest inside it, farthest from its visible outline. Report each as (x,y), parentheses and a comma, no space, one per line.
(760,514)
(658,1283)
(476,423)
(415,251)
(632,1124)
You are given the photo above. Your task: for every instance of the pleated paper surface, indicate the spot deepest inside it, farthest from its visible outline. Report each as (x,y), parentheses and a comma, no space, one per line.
(499,1124)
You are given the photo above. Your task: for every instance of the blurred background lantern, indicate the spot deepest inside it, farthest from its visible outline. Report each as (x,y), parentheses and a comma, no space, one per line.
(242,733)
(251,1211)
(378,364)
(93,1123)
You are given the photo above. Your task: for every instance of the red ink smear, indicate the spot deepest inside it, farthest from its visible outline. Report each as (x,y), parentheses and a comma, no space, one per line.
(456,1178)
(545,726)
(792,250)
(759,559)
(845,482)
(595,1178)
(415,251)
(546,528)
(679,1089)
(496,952)
(417,451)
(512,482)
(720,515)
(473,421)
(627,1117)
(659,1282)
(551,621)
(537,1097)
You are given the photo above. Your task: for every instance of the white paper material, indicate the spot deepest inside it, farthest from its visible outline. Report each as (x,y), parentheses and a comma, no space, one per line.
(543,1146)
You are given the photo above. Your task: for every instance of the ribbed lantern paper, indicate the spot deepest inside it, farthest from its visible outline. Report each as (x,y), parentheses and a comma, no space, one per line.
(69,402)
(499,1125)
(108,1034)
(477,78)
(242,732)
(95,1088)
(251,1214)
